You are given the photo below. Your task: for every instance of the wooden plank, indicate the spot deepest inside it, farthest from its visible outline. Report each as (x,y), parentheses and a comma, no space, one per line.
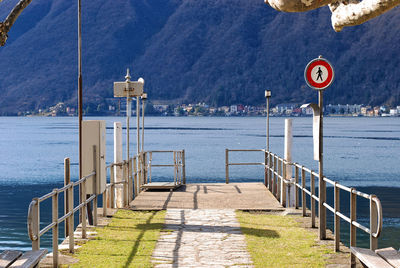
(391,255)
(8,257)
(29,259)
(369,258)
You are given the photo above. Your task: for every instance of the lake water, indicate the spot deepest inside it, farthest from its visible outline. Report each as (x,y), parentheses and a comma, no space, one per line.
(358,152)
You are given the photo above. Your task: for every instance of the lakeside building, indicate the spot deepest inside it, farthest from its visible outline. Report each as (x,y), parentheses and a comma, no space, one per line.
(117,106)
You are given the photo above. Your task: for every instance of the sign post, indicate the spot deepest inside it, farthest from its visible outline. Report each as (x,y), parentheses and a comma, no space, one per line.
(129,89)
(319,75)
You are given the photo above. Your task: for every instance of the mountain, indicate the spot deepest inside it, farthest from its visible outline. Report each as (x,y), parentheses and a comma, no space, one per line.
(217,51)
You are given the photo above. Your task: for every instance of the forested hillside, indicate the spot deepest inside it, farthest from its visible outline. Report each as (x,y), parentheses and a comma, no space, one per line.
(218,51)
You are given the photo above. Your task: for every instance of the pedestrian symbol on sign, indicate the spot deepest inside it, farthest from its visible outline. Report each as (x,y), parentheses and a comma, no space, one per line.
(319,74)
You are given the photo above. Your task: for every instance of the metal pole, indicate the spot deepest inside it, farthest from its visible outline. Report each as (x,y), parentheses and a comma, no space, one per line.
(128,112)
(128,116)
(143,106)
(268,124)
(322,187)
(80,95)
(138,123)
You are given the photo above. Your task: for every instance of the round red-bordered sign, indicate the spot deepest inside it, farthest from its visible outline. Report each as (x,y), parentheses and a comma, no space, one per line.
(319,74)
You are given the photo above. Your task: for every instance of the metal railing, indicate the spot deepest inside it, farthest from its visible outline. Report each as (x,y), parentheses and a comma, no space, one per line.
(227,164)
(132,175)
(178,164)
(276,179)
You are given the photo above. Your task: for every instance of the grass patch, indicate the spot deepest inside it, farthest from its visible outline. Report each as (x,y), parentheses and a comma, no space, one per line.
(128,241)
(279,241)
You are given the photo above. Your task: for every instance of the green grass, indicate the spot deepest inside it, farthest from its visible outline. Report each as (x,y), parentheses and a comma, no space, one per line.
(128,241)
(279,241)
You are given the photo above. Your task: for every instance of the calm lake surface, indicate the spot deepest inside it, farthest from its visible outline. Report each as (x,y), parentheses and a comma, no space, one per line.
(358,152)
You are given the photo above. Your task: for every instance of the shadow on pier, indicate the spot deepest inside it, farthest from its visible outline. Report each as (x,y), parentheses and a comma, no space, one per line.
(243,196)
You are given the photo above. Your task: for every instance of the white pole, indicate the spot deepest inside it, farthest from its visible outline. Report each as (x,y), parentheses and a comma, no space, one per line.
(118,159)
(143,106)
(138,124)
(288,158)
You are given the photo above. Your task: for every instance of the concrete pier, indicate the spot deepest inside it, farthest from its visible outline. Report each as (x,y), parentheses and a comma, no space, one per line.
(243,196)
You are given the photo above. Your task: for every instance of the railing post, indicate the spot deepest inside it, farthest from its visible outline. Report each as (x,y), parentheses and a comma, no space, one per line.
(373,241)
(353,229)
(149,168)
(279,182)
(70,193)
(135,177)
(270,185)
(83,209)
(283,184)
(266,168)
(112,188)
(275,183)
(175,168)
(55,227)
(226,166)
(312,199)
(337,218)
(124,183)
(95,185)
(140,171)
(105,194)
(36,224)
(67,180)
(130,186)
(303,193)
(183,167)
(296,190)
(144,167)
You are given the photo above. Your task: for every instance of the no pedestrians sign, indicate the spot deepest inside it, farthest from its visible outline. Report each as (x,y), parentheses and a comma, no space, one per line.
(319,74)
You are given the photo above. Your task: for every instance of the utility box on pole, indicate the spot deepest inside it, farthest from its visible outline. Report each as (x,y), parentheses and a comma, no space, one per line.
(94,134)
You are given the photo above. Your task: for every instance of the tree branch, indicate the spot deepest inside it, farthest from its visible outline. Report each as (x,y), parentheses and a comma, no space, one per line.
(344,12)
(297,5)
(6,25)
(356,13)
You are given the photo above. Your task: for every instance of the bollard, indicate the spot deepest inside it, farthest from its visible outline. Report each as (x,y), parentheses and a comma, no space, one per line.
(118,159)
(289,190)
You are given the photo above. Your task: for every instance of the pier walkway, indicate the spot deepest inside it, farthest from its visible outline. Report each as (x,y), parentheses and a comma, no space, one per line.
(243,196)
(201,229)
(201,238)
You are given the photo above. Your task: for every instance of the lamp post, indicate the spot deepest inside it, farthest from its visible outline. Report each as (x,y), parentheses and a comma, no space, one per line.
(128,111)
(129,89)
(144,98)
(267,96)
(267,153)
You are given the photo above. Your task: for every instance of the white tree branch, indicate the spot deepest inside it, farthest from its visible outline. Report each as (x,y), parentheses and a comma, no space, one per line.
(297,5)
(344,12)
(6,25)
(356,13)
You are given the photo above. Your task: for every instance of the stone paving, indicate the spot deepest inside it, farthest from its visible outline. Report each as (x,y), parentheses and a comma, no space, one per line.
(201,238)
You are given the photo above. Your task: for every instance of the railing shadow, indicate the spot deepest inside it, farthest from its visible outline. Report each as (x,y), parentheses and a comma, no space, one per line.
(143,227)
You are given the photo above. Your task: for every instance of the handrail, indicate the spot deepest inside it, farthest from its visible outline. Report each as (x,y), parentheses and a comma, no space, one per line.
(380,216)
(276,179)
(335,210)
(134,172)
(228,164)
(31,235)
(178,163)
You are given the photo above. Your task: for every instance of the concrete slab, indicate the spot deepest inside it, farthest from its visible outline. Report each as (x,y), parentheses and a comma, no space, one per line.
(244,196)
